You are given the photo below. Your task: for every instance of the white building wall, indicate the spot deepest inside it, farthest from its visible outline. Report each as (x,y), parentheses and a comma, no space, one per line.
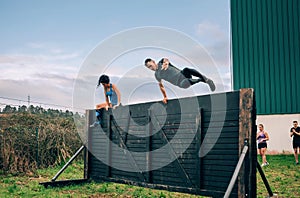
(278,127)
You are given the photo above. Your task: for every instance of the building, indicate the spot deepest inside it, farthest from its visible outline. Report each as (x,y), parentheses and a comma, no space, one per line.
(266,57)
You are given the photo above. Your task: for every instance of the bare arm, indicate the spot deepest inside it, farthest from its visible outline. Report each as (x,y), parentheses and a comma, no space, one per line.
(163,91)
(118,94)
(292,132)
(298,133)
(267,136)
(106,99)
(165,64)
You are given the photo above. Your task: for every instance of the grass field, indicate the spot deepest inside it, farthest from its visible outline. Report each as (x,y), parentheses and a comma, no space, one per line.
(282,174)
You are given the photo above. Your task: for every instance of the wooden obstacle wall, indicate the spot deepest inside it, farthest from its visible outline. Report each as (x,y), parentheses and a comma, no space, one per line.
(220,126)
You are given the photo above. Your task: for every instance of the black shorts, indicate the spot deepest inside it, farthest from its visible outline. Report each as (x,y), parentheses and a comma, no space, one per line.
(262,145)
(296,144)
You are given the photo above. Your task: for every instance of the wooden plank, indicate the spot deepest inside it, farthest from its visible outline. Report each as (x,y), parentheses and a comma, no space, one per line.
(212,185)
(219,115)
(226,132)
(220,124)
(124,174)
(225,152)
(86,150)
(97,166)
(221,158)
(130,158)
(109,146)
(226,166)
(89,117)
(225,146)
(229,163)
(149,148)
(227,173)
(177,164)
(169,181)
(222,140)
(231,98)
(217,179)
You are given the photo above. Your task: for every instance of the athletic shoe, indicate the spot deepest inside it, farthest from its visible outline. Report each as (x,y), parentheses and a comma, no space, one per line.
(265,164)
(194,81)
(211,84)
(296,163)
(95,124)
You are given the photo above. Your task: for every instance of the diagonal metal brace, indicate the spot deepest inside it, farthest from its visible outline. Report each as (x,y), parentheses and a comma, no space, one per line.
(68,163)
(236,171)
(261,172)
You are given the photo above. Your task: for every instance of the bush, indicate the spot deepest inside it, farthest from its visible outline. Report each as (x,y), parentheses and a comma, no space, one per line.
(28,141)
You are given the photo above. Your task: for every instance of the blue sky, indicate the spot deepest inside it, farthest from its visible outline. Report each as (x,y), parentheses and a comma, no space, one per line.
(44,43)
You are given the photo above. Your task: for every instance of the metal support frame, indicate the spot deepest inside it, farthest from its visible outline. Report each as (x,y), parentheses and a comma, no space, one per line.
(85,178)
(68,163)
(261,172)
(236,171)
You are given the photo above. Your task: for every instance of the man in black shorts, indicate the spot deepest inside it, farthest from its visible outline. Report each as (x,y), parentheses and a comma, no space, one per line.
(164,70)
(295,133)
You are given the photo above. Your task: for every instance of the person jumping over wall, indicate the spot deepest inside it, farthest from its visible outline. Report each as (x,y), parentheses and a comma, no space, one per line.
(112,96)
(164,70)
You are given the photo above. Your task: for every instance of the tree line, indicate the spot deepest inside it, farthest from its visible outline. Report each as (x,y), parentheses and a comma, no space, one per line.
(37,110)
(33,137)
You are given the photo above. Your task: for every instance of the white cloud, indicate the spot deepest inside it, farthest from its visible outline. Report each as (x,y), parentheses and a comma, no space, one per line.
(20,66)
(209,30)
(14,58)
(35,45)
(47,78)
(217,42)
(44,91)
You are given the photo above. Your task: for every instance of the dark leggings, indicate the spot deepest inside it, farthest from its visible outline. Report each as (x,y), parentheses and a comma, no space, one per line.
(188,74)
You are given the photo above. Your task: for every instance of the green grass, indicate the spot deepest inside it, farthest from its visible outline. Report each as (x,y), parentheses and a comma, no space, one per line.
(282,174)
(26,186)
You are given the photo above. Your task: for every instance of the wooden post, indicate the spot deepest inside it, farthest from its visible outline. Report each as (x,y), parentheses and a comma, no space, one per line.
(247,116)
(149,147)
(85,161)
(87,144)
(198,143)
(109,150)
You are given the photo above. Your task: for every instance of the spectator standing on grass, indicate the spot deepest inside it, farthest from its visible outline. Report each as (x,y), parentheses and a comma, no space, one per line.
(295,133)
(262,138)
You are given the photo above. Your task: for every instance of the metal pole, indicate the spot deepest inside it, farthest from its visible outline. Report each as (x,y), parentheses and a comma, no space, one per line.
(261,172)
(236,172)
(37,146)
(68,163)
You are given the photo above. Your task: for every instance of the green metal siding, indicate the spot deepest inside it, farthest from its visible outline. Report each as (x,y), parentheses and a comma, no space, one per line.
(266,54)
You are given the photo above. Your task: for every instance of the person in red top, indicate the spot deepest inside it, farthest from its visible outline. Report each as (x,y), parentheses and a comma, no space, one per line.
(262,138)
(295,133)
